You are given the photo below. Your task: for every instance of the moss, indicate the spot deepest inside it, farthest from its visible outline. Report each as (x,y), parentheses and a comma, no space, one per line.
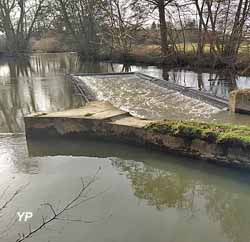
(88,114)
(227,134)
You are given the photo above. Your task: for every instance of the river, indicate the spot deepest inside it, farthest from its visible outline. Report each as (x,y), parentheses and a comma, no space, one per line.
(139,195)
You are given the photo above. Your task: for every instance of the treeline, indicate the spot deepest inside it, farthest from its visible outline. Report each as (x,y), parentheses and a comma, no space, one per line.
(218,29)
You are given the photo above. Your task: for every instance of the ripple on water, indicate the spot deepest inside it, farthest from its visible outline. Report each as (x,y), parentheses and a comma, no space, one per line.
(14,157)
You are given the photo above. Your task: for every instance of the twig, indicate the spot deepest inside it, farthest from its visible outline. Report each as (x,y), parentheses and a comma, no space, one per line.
(12,197)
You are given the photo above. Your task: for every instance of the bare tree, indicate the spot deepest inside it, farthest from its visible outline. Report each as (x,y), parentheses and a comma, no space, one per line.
(160,6)
(123,21)
(83,20)
(18,19)
(223,23)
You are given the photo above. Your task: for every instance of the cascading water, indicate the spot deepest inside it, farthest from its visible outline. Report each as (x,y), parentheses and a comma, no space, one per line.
(142,98)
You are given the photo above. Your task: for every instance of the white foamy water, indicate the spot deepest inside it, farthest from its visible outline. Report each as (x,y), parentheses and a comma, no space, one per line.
(145,99)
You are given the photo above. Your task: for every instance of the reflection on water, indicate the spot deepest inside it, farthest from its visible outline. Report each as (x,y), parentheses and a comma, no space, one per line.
(14,157)
(159,188)
(31,85)
(150,196)
(196,194)
(219,83)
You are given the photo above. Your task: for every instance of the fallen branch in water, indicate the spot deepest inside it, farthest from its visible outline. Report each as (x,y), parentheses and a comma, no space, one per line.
(56,214)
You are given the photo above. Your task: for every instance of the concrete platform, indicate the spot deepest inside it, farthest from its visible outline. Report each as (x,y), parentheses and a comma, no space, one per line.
(104,122)
(74,121)
(93,110)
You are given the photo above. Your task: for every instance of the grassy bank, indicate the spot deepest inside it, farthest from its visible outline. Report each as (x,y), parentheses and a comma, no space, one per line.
(151,55)
(224,134)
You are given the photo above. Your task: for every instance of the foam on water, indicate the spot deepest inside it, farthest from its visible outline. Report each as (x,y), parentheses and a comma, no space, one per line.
(145,99)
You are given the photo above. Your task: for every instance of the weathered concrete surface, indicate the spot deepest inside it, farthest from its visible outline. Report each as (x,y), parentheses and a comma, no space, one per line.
(239,101)
(103,121)
(93,110)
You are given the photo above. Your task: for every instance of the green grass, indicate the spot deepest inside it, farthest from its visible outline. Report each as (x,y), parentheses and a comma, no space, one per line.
(192,47)
(226,134)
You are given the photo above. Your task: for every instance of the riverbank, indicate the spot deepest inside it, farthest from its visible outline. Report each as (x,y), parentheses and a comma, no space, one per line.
(181,60)
(12,55)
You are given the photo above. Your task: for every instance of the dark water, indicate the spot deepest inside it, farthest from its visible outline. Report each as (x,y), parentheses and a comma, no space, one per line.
(140,195)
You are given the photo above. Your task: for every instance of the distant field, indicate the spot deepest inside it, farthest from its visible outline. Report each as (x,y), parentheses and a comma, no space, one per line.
(148,50)
(155,50)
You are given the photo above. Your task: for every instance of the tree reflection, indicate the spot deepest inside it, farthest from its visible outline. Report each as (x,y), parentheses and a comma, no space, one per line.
(165,189)
(126,68)
(200,81)
(24,87)
(222,83)
(231,211)
(159,188)
(165,73)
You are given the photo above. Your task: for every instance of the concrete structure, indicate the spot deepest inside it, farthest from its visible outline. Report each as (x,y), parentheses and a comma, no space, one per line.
(103,121)
(239,101)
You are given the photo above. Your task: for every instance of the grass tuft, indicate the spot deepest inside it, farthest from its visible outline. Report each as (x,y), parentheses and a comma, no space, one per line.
(88,114)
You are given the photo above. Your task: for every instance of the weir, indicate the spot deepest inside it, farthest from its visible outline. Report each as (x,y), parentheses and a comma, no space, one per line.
(81,80)
(150,98)
(222,144)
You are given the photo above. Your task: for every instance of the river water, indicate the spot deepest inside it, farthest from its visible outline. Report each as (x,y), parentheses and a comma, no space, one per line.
(139,195)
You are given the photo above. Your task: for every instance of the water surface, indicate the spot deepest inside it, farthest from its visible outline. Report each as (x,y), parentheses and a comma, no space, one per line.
(140,195)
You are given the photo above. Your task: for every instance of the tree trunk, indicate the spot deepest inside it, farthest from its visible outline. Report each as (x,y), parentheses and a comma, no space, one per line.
(231,47)
(163,28)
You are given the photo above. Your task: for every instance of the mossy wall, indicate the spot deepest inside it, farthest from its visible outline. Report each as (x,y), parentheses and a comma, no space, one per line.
(214,133)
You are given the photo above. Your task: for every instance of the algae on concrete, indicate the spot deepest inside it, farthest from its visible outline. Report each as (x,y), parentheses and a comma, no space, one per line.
(226,134)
